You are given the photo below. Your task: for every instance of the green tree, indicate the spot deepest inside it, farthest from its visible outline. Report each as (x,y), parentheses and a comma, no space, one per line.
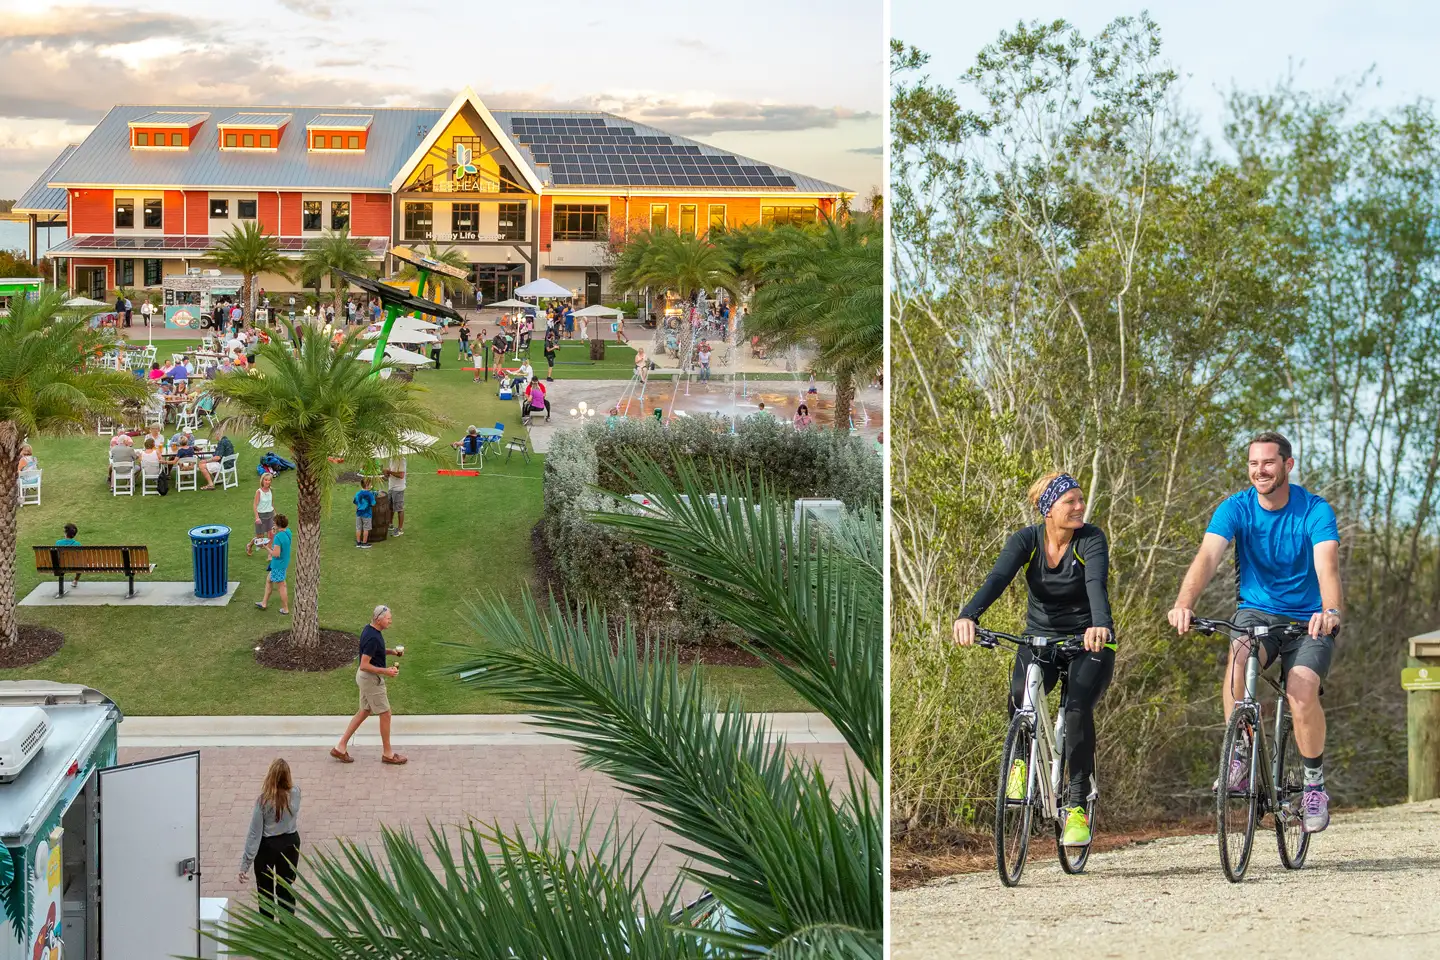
(438,285)
(335,251)
(250,250)
(792,861)
(824,286)
(682,264)
(45,388)
(321,402)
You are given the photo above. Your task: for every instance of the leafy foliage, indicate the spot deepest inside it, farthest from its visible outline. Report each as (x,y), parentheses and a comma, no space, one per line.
(247,248)
(334,252)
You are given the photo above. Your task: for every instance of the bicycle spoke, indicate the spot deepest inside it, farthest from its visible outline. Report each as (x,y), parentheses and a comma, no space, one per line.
(1236,802)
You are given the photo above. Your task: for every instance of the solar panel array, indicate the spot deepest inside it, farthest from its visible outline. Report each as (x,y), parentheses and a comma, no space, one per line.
(594,151)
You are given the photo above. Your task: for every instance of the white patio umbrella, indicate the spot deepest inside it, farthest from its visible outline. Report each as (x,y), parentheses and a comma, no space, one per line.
(597,311)
(508,305)
(85,302)
(405,358)
(412,441)
(543,288)
(399,334)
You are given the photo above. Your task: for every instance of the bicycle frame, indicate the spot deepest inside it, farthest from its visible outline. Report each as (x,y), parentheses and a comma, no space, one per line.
(1264,765)
(1049,738)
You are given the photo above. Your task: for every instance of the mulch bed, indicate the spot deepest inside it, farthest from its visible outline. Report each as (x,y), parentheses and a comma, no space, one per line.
(335,649)
(36,643)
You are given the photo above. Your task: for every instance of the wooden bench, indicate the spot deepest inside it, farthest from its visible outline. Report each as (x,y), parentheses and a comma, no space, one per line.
(68,561)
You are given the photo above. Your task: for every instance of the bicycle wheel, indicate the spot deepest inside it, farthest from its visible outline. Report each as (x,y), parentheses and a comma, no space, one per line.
(1012,817)
(1073,859)
(1290,833)
(1237,809)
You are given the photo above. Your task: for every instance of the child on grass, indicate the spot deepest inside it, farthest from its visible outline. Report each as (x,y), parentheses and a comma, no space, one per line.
(364,513)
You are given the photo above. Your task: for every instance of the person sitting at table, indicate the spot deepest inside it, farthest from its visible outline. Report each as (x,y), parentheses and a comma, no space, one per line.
(223,448)
(153,434)
(524,375)
(185,447)
(155,372)
(122,456)
(180,373)
(150,458)
(27,459)
(181,438)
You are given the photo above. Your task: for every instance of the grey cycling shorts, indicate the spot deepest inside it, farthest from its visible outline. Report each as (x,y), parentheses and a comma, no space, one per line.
(1313,652)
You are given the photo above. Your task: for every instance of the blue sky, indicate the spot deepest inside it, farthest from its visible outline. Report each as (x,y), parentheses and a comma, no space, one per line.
(773,79)
(1215,44)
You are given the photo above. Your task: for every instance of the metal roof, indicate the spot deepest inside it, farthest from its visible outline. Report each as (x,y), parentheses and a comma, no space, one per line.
(105,159)
(255,120)
(172,118)
(39,198)
(130,245)
(689,164)
(341,121)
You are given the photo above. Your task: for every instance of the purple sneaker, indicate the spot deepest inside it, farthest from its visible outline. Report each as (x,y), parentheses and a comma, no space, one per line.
(1316,806)
(1239,778)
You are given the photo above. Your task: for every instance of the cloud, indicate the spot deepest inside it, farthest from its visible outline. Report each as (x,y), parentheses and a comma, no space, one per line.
(699,45)
(309,8)
(697,116)
(868,151)
(69,26)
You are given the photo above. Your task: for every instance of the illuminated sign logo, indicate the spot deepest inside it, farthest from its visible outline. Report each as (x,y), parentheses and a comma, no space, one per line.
(464,165)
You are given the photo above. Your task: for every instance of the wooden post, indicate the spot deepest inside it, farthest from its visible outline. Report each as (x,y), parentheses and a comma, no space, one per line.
(1423,722)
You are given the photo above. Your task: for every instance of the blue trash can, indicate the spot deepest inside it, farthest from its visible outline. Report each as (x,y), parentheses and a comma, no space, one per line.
(211,547)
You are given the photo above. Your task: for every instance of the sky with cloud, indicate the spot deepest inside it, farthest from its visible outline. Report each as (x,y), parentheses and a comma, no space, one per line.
(779,80)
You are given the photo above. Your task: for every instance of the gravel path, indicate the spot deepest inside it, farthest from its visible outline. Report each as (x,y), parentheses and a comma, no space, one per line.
(1369,889)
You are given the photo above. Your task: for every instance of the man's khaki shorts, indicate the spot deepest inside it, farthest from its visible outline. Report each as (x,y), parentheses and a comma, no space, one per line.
(373,696)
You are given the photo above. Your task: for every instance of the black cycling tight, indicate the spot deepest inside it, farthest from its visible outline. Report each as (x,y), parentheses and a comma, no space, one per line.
(1088,674)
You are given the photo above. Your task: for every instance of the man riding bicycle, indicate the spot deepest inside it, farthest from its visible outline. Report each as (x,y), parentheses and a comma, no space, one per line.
(1067,567)
(1287,558)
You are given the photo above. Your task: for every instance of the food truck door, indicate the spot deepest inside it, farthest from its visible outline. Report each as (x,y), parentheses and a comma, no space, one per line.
(150,858)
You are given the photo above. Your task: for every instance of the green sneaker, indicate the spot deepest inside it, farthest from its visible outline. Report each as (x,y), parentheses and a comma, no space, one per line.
(1077,828)
(1015,786)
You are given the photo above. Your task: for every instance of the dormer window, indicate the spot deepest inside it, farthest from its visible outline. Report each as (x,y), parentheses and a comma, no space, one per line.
(166,129)
(252,131)
(338,131)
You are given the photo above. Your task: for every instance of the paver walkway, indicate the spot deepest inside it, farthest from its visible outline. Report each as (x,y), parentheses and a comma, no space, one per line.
(506,779)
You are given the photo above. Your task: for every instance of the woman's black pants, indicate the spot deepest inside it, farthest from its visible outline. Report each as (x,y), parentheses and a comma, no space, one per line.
(276,861)
(1086,677)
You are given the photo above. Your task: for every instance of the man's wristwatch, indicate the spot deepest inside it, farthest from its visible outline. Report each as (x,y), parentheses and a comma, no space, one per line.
(1334,613)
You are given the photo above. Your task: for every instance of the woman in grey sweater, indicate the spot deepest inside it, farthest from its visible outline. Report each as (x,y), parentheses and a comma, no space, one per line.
(273,845)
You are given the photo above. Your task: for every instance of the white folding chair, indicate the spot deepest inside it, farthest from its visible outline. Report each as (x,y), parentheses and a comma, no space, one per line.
(149,479)
(188,418)
(30,487)
(122,482)
(104,427)
(186,472)
(228,474)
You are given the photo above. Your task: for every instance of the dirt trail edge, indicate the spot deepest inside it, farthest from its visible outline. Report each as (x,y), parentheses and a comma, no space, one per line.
(1367,890)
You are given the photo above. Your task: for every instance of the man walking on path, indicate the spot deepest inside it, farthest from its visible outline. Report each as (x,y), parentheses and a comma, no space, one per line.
(370,678)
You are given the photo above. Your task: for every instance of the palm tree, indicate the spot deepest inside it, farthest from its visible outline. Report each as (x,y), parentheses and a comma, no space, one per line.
(321,402)
(793,864)
(438,285)
(251,251)
(332,252)
(823,286)
(682,263)
(44,388)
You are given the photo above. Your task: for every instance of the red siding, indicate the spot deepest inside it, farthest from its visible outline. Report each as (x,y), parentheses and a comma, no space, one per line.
(370,214)
(289,214)
(547,222)
(270,212)
(174,212)
(197,213)
(92,211)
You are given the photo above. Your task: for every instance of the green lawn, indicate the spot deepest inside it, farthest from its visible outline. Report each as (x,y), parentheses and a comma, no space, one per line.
(465,538)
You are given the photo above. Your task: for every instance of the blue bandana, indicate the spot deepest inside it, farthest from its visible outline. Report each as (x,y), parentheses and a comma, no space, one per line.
(1060,486)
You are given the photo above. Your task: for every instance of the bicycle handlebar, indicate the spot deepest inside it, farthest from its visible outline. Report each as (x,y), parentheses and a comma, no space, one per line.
(1208,626)
(990,639)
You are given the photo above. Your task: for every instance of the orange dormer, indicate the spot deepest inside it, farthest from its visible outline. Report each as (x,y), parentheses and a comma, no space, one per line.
(338,132)
(165,130)
(252,131)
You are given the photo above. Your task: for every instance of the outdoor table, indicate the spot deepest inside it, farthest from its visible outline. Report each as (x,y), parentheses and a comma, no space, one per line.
(492,438)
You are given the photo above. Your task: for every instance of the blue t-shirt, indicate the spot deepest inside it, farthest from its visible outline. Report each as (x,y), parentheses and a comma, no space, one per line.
(281,540)
(364,503)
(67,542)
(1275,550)
(372,642)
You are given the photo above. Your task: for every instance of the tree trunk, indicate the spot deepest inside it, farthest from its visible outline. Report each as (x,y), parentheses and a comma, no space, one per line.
(249,284)
(844,399)
(9,530)
(306,619)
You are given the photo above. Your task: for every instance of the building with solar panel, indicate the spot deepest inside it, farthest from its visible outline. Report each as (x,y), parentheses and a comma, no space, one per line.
(523,194)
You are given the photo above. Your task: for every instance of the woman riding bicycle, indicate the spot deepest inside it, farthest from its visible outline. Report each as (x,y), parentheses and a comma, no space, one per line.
(1066,563)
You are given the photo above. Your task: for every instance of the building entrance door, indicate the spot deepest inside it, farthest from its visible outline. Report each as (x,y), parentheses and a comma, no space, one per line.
(90,282)
(592,287)
(496,281)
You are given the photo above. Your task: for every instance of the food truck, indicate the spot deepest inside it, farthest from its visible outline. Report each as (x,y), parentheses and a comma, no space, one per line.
(190,297)
(98,860)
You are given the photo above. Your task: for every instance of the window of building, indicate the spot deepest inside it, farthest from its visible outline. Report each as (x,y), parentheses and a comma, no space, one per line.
(424,181)
(310,216)
(581,221)
(419,221)
(464,221)
(142,139)
(339,214)
(319,141)
(154,213)
(659,217)
(687,218)
(781,216)
(124,214)
(125,273)
(248,140)
(717,215)
(177,140)
(508,183)
(512,221)
(245,209)
(219,209)
(266,140)
(352,143)
(153,273)
(230,140)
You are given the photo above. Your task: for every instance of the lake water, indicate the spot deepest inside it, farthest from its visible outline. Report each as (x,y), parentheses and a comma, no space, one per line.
(16,236)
